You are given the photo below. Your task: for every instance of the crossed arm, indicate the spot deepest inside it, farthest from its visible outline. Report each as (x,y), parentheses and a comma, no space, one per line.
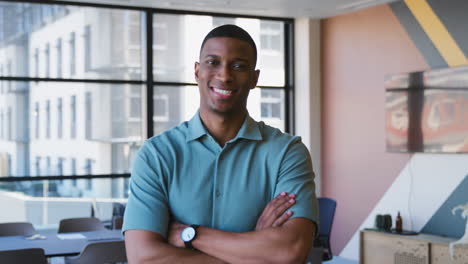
(275,240)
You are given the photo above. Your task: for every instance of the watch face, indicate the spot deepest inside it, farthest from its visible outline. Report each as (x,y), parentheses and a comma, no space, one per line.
(187,234)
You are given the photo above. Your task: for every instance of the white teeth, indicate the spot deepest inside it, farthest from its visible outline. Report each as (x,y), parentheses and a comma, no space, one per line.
(223,92)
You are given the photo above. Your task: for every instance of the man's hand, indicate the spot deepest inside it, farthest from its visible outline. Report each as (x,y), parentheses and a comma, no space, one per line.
(174,234)
(275,214)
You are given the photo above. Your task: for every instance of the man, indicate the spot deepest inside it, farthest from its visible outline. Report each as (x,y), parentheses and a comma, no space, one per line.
(222,183)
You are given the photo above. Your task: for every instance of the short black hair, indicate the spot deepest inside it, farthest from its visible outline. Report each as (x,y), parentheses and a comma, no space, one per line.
(231,31)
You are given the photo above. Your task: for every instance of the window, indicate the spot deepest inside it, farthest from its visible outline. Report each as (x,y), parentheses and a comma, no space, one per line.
(1,82)
(9,125)
(47,110)
(60,166)
(72,54)
(73,116)
(89,171)
(270,36)
(88,115)
(87,47)
(59,118)
(9,73)
(47,60)
(48,166)
(2,125)
(95,123)
(37,165)
(36,62)
(161,108)
(36,120)
(9,165)
(59,58)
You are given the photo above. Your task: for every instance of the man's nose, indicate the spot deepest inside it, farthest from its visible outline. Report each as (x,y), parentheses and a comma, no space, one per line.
(224,74)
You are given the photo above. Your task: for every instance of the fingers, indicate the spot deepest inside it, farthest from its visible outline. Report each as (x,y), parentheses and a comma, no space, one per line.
(273,214)
(282,219)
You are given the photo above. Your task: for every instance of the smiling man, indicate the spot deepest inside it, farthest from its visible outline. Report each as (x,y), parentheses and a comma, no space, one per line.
(222,188)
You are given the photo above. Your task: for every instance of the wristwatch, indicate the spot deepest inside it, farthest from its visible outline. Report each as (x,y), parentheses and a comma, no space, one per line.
(188,235)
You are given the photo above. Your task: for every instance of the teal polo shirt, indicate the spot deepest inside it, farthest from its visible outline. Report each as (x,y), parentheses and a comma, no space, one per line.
(183,174)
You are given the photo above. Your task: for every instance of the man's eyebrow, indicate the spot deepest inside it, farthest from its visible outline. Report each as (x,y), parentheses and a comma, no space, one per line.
(217,57)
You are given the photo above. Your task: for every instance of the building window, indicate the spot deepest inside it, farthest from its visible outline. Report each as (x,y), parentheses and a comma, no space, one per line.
(88,171)
(37,166)
(73,170)
(1,82)
(2,125)
(73,116)
(135,103)
(47,110)
(59,58)
(161,108)
(47,60)
(9,73)
(271,104)
(9,126)
(59,118)
(88,115)
(271,36)
(9,165)
(72,54)
(36,120)
(87,48)
(160,36)
(48,167)
(36,62)
(60,166)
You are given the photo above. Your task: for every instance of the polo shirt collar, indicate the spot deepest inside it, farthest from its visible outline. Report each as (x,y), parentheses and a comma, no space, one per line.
(249,129)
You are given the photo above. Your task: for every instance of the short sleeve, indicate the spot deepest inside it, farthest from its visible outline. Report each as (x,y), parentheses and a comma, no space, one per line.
(147,207)
(296,176)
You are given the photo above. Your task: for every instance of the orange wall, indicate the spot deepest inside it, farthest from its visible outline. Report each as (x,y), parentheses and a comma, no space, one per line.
(358,50)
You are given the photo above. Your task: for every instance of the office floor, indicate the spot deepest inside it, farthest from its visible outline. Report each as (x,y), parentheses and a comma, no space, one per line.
(340,260)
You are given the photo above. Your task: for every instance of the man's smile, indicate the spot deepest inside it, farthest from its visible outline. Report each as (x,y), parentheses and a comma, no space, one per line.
(223,93)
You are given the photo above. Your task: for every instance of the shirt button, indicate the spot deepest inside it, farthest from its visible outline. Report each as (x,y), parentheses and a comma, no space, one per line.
(218,193)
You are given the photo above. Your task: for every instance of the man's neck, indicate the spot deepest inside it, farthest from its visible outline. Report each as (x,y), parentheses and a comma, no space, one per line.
(222,127)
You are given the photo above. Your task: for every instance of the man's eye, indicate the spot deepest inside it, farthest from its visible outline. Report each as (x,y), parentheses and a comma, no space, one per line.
(238,66)
(212,62)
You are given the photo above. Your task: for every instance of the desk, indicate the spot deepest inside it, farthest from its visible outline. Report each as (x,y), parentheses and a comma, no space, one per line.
(54,246)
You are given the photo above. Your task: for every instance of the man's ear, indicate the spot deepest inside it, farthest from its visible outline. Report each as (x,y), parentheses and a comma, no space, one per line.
(255,78)
(197,68)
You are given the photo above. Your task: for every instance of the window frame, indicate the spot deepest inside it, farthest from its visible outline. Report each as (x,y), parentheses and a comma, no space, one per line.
(148,82)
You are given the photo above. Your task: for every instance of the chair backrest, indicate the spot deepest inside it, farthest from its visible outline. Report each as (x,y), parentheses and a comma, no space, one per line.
(17,229)
(82,224)
(100,252)
(27,256)
(327,207)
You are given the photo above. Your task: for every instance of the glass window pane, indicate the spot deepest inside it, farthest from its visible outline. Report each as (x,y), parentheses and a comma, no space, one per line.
(176,104)
(54,128)
(74,42)
(173,105)
(177,40)
(69,198)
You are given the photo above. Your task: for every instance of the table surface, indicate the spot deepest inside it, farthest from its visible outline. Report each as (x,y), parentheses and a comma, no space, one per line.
(54,246)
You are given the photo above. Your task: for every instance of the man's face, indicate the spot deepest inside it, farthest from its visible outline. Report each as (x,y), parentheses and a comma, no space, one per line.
(225,74)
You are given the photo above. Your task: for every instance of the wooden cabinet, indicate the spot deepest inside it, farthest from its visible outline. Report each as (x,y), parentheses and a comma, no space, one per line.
(385,248)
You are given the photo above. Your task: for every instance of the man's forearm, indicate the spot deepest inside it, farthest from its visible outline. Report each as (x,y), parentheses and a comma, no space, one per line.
(287,244)
(145,247)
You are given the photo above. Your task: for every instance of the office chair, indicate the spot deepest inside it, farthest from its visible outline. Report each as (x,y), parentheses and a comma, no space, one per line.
(82,224)
(29,256)
(100,252)
(17,229)
(327,208)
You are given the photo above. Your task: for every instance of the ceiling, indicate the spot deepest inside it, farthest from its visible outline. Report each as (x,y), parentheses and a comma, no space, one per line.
(274,8)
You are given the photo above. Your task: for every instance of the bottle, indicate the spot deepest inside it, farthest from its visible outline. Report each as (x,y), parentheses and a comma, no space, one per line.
(399,223)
